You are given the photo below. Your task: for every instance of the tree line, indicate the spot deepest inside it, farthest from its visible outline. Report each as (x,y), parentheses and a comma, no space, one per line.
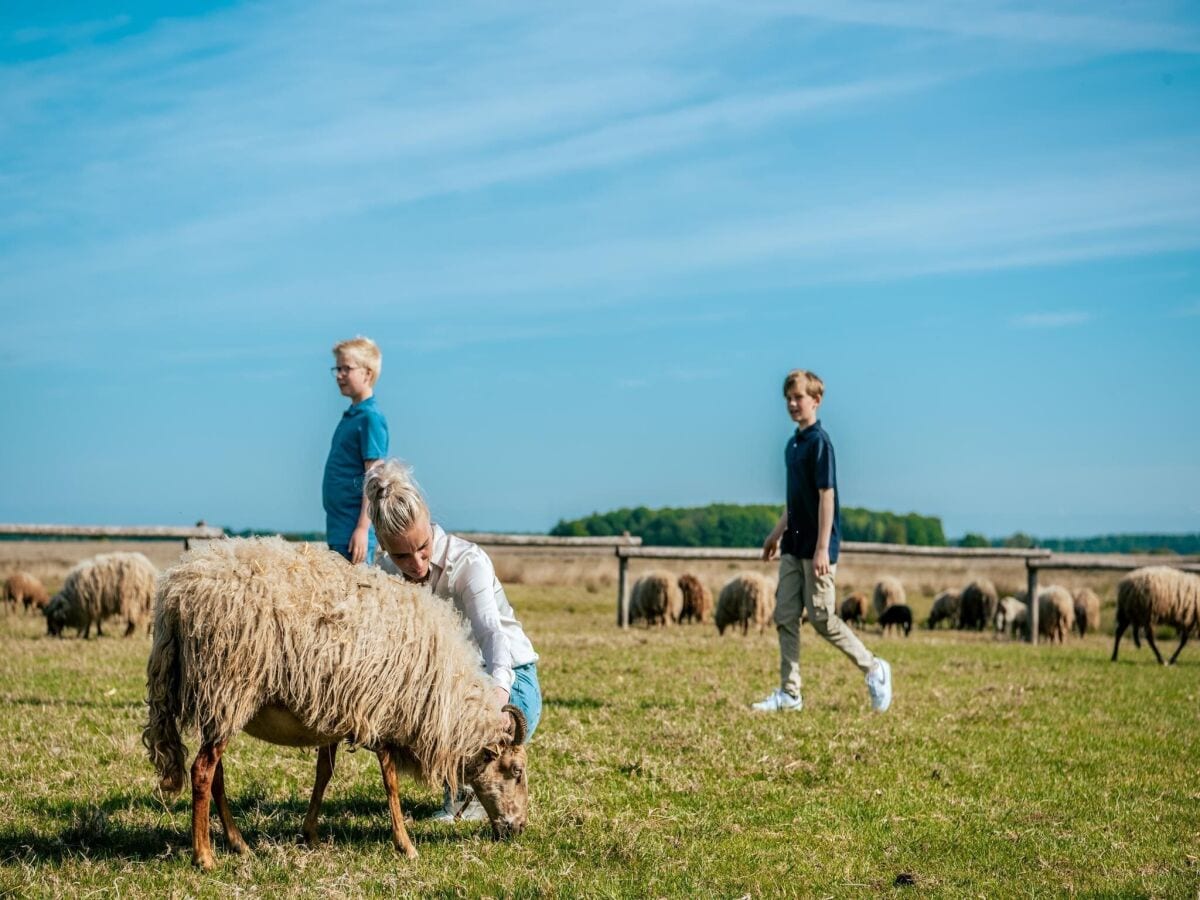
(744,525)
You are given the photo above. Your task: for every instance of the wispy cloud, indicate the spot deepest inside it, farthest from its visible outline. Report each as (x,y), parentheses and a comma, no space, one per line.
(1052,319)
(1000,21)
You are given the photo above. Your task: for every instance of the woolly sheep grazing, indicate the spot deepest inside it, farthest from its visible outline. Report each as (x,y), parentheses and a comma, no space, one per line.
(746,599)
(978,608)
(656,598)
(1056,613)
(109,584)
(899,616)
(888,592)
(946,606)
(1158,595)
(697,599)
(1011,616)
(1087,611)
(23,588)
(854,609)
(293,646)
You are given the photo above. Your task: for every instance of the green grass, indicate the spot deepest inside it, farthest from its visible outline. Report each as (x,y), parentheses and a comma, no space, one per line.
(1001,770)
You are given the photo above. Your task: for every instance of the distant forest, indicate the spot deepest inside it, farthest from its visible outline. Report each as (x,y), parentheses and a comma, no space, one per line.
(738,525)
(735,525)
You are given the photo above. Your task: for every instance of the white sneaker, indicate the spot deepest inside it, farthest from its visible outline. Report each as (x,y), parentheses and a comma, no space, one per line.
(778,701)
(472,809)
(879,685)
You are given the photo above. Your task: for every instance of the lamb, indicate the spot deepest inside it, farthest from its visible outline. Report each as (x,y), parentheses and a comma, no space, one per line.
(946,606)
(109,584)
(1056,612)
(1087,611)
(853,610)
(888,592)
(21,587)
(1011,616)
(1158,595)
(697,599)
(978,608)
(293,646)
(899,616)
(746,598)
(656,598)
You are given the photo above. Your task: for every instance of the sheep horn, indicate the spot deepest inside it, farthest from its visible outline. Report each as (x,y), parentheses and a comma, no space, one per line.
(519,723)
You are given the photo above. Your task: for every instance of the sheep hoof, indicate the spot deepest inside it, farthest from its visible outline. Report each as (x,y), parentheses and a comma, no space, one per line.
(411,852)
(241,848)
(308,840)
(203,862)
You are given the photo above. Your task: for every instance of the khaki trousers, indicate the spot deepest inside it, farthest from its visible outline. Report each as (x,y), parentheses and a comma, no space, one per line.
(800,588)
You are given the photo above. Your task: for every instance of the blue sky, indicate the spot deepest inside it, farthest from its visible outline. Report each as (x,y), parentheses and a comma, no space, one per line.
(591,239)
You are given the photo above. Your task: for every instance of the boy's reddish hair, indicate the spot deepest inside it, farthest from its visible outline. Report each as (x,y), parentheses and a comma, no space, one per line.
(806,381)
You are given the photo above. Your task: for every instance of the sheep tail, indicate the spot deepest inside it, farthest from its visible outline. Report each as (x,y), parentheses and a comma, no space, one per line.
(165,701)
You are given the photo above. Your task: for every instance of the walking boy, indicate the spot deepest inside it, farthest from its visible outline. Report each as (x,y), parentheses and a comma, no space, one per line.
(811,535)
(359,442)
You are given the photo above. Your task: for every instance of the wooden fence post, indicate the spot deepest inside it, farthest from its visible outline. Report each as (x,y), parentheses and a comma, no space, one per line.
(622,590)
(1032,588)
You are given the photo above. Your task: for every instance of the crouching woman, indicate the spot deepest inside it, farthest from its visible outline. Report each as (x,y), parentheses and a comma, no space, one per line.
(419,551)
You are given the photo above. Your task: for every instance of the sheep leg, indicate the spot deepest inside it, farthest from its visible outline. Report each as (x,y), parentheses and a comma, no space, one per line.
(233,834)
(400,838)
(325,760)
(1183,639)
(1122,624)
(203,772)
(129,626)
(1153,646)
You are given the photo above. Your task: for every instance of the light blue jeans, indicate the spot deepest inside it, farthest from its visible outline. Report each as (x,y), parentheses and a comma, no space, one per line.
(526,695)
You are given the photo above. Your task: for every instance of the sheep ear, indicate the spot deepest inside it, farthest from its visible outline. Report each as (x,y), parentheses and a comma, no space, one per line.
(519,724)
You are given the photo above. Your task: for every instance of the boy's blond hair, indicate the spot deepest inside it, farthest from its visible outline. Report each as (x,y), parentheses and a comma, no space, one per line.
(806,381)
(364,352)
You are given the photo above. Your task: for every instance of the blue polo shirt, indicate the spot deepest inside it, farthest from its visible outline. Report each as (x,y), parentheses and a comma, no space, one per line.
(362,434)
(810,467)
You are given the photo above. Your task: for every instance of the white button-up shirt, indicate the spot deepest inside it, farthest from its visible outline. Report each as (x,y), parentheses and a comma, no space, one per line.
(462,573)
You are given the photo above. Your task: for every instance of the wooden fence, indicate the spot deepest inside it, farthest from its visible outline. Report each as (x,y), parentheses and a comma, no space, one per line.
(185,533)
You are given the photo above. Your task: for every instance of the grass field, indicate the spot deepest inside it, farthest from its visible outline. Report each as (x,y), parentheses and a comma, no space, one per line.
(1001,770)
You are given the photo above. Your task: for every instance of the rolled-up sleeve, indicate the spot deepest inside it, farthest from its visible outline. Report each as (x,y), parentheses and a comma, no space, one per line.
(475,586)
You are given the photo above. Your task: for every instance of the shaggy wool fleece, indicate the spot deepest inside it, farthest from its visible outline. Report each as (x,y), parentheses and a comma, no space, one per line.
(351,651)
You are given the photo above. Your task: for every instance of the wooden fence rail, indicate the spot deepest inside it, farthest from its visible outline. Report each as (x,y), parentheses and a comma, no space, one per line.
(185,533)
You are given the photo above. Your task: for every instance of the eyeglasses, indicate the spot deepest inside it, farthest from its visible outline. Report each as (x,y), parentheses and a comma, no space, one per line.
(342,370)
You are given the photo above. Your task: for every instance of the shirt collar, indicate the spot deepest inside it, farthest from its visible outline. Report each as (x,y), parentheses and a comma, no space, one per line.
(802,433)
(358,407)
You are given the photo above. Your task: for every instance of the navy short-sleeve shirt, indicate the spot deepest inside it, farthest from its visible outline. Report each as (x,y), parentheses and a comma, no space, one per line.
(362,434)
(811,467)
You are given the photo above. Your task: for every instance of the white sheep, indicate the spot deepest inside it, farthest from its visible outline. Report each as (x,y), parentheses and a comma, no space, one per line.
(109,584)
(1158,595)
(889,591)
(293,646)
(1087,611)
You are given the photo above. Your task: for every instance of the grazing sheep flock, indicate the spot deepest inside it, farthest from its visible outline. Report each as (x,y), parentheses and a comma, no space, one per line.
(23,588)
(888,592)
(978,607)
(1158,595)
(1056,613)
(1087,611)
(898,616)
(109,584)
(946,606)
(854,609)
(747,599)
(295,647)
(697,599)
(1012,617)
(656,599)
